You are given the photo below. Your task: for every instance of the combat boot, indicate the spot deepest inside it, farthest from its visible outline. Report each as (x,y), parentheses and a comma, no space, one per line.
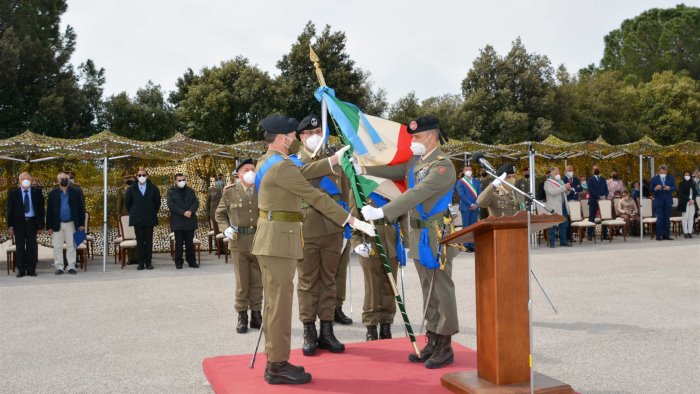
(255,319)
(298,367)
(283,372)
(427,351)
(327,339)
(372,333)
(242,326)
(443,355)
(310,339)
(340,317)
(385,331)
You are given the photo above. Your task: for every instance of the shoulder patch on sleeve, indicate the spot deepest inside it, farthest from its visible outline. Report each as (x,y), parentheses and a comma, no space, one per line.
(441,169)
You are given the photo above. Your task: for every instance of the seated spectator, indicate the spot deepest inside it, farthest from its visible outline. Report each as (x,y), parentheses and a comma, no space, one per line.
(583,194)
(626,209)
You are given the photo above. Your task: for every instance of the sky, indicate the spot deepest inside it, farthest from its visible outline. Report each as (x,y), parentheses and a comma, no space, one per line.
(421,46)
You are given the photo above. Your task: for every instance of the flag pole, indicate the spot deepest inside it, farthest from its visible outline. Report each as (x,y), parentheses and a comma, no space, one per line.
(361,199)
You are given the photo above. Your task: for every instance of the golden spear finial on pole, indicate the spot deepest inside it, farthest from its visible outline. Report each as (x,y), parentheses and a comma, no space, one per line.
(319,73)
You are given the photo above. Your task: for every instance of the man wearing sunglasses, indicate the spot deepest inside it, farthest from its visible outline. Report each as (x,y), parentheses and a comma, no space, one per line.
(142,200)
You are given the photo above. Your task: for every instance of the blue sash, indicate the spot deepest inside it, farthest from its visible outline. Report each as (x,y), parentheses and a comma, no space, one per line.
(274,159)
(380,201)
(332,190)
(425,252)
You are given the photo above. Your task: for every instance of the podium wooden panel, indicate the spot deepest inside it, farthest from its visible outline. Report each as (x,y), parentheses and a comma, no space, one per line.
(502,329)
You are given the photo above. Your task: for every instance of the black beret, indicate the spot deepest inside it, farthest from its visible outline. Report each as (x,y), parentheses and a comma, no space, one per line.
(244,162)
(279,124)
(508,168)
(310,122)
(423,123)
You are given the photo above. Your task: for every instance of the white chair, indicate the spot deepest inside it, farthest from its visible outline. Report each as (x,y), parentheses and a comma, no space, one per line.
(129,238)
(577,220)
(606,220)
(647,217)
(11,250)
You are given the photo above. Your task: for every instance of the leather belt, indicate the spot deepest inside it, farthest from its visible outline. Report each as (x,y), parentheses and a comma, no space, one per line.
(247,230)
(417,223)
(282,216)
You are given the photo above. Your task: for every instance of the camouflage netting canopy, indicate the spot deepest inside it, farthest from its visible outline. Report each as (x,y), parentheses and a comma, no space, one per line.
(31,147)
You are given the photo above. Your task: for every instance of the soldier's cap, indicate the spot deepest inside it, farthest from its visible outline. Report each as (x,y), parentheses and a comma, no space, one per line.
(508,168)
(279,124)
(244,162)
(126,175)
(425,123)
(310,122)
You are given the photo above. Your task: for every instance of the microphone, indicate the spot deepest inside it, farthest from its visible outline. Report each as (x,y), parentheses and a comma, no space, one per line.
(479,158)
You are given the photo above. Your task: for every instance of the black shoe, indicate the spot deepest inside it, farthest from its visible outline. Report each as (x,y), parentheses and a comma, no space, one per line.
(659,239)
(443,355)
(72,271)
(242,325)
(58,272)
(668,239)
(298,367)
(327,339)
(193,265)
(31,273)
(566,244)
(178,266)
(20,274)
(427,351)
(149,266)
(385,331)
(140,267)
(255,319)
(310,339)
(340,317)
(285,373)
(371,333)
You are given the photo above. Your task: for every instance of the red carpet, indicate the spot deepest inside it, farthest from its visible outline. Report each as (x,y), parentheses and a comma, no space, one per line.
(365,367)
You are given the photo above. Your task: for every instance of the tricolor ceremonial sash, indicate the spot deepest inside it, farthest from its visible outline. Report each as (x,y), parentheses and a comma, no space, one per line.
(469,186)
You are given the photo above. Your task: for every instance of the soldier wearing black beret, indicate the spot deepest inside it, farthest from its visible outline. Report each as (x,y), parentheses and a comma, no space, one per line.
(498,197)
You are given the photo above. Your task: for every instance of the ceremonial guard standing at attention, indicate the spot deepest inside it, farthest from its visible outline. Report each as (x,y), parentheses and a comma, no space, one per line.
(430,175)
(324,242)
(278,241)
(238,214)
(379,306)
(498,197)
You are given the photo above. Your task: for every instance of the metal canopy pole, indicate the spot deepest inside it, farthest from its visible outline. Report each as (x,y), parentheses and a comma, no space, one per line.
(641,198)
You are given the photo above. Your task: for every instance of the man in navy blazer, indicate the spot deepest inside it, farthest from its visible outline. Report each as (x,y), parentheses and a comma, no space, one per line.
(25,220)
(663,185)
(65,214)
(468,190)
(598,190)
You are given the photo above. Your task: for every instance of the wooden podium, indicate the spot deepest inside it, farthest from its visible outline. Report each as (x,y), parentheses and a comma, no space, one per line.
(502,327)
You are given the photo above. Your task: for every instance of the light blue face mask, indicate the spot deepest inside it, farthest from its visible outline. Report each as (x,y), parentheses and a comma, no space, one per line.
(219,184)
(584,185)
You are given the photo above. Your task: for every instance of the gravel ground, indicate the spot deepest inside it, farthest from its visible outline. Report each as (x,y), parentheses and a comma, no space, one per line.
(628,322)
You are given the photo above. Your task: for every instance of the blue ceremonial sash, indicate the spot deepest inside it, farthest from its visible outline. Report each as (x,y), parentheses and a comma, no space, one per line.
(274,159)
(425,252)
(400,251)
(332,190)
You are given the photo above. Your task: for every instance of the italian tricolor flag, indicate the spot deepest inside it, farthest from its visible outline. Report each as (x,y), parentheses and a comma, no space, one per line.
(375,142)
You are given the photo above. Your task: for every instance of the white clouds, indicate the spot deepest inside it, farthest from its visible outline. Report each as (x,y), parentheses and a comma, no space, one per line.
(425,46)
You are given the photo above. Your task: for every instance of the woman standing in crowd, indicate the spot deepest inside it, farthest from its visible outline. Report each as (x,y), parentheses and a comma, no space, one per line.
(687,192)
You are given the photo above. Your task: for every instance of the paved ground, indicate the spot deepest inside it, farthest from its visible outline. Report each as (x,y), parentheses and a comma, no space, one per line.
(628,322)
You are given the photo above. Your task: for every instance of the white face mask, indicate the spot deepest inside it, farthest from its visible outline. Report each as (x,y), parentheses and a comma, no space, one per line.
(26,183)
(142,180)
(570,174)
(687,177)
(181,184)
(313,141)
(663,176)
(468,174)
(249,177)
(418,148)
(557,177)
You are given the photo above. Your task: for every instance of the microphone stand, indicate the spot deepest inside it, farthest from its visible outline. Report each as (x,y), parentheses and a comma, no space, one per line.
(529,200)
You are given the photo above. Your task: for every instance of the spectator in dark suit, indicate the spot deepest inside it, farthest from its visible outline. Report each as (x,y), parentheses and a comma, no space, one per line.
(25,220)
(142,200)
(663,185)
(573,182)
(597,190)
(65,212)
(183,204)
